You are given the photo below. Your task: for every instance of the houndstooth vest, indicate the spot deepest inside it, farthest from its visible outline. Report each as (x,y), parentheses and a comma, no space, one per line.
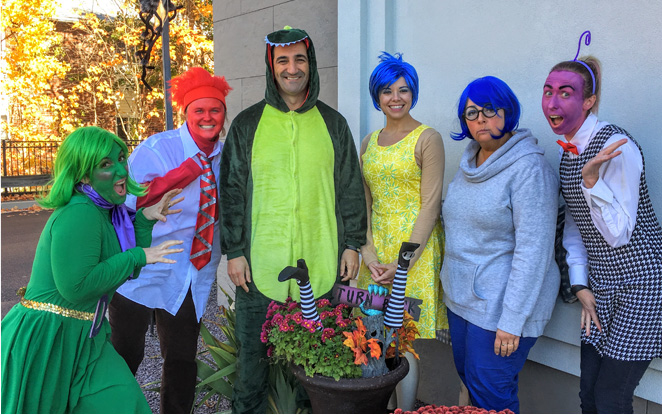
(626,281)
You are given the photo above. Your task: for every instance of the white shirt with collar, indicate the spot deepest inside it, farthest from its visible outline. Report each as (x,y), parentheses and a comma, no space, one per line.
(166,285)
(612,201)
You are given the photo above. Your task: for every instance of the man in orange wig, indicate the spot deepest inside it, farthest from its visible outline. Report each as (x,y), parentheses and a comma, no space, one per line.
(186,158)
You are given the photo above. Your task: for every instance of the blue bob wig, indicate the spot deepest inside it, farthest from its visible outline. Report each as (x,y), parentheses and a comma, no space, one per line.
(489,91)
(389,70)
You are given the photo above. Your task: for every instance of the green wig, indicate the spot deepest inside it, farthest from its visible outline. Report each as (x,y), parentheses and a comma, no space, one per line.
(76,158)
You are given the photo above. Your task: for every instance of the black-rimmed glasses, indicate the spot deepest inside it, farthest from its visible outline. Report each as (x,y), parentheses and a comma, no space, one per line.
(471,113)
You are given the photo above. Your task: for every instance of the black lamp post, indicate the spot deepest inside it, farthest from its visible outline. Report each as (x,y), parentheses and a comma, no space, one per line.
(150,12)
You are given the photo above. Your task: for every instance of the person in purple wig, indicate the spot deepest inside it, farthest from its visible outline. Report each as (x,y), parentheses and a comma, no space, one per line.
(612,236)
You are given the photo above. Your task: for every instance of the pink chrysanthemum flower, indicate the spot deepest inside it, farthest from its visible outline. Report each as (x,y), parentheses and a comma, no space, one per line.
(327,334)
(326,314)
(297,317)
(266,326)
(342,322)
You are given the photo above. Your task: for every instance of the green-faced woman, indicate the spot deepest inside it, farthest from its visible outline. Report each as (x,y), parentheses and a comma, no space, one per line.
(56,353)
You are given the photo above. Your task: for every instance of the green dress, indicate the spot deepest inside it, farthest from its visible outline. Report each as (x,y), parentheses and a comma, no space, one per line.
(394,179)
(49,363)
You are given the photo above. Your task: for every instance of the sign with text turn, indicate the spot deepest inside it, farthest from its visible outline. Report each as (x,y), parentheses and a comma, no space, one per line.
(353,297)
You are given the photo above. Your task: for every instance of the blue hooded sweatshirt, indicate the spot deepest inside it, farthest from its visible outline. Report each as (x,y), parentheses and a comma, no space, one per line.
(500,221)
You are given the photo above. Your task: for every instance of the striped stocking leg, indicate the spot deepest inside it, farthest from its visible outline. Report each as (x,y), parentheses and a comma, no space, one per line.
(396,305)
(300,273)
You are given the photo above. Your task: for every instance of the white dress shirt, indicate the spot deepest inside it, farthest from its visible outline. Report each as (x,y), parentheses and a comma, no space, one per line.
(166,285)
(612,201)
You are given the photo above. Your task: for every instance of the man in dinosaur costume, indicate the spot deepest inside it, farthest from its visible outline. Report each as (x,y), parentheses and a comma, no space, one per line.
(290,188)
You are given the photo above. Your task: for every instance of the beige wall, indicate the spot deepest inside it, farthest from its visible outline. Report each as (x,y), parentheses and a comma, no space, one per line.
(240,27)
(239,30)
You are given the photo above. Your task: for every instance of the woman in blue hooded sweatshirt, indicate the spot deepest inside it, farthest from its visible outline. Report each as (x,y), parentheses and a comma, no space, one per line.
(499,276)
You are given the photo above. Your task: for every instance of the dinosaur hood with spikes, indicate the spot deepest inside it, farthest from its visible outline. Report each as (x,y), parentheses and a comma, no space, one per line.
(285,37)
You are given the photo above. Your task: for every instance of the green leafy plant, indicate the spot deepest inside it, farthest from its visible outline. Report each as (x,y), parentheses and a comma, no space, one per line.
(218,362)
(292,339)
(217,371)
(286,395)
(336,346)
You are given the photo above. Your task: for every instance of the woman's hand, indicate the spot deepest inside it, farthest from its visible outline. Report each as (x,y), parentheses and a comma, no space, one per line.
(589,313)
(155,254)
(591,170)
(239,272)
(382,273)
(160,210)
(349,264)
(505,343)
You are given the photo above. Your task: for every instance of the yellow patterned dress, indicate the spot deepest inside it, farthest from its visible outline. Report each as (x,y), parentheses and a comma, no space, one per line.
(394,179)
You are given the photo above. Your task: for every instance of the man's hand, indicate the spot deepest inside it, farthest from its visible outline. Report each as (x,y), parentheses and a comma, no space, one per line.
(160,210)
(349,264)
(382,273)
(589,313)
(505,343)
(239,272)
(591,170)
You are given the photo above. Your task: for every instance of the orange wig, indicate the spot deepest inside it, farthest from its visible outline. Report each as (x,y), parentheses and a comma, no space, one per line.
(197,83)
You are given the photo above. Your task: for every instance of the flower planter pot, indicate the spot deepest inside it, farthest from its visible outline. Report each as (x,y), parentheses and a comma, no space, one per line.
(351,396)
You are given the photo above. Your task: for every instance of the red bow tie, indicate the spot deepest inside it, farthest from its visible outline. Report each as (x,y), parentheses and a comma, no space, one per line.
(568,146)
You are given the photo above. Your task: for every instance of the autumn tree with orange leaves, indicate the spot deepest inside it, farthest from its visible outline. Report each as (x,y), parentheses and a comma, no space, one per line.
(58,76)
(32,60)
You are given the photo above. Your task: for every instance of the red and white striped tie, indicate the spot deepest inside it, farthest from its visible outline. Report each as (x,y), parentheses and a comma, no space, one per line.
(204,226)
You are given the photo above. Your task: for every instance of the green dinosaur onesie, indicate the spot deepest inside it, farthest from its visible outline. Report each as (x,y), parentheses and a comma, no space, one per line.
(290,188)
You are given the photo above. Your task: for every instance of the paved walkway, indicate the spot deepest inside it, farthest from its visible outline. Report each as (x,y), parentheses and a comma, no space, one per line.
(20,233)
(19,204)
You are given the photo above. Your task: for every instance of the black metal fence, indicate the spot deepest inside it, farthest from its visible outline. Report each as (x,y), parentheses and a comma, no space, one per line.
(27,165)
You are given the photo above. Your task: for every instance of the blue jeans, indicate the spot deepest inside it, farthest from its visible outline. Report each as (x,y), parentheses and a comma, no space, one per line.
(607,385)
(491,379)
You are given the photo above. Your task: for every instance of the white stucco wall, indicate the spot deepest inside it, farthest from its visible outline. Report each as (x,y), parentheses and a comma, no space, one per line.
(452,42)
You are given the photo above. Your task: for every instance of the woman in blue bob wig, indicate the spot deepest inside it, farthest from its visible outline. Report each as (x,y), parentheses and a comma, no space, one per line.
(403,171)
(499,275)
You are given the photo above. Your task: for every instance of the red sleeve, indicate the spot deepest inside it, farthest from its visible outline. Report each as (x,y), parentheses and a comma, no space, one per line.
(177,178)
